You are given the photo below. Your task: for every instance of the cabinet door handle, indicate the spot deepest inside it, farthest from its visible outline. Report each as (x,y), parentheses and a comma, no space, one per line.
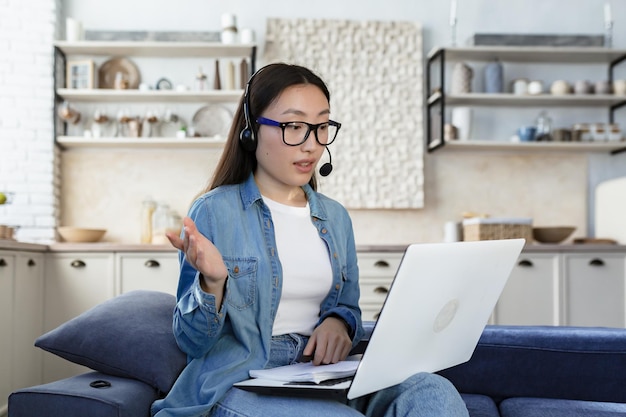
(3,262)
(381,290)
(596,262)
(151,263)
(525,263)
(78,264)
(381,264)
(31,263)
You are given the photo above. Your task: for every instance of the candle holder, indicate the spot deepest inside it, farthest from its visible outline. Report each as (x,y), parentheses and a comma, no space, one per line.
(608,34)
(453,32)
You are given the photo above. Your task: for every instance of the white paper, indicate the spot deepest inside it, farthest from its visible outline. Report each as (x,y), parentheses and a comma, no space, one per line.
(307,372)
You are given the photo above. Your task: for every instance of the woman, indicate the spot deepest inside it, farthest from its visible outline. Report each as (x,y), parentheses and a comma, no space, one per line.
(269,268)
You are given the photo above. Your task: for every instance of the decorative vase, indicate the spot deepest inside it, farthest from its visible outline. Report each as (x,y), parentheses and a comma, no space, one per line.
(462,75)
(462,120)
(494,78)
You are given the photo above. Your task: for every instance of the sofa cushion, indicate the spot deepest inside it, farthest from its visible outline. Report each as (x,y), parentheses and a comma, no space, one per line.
(575,363)
(480,405)
(92,394)
(129,336)
(532,407)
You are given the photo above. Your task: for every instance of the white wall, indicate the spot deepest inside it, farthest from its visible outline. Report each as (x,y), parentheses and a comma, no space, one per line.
(500,184)
(497,16)
(27,168)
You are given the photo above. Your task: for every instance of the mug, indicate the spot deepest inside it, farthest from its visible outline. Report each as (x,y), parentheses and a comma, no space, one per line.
(560,88)
(519,86)
(535,87)
(603,87)
(527,133)
(619,87)
(246,35)
(583,87)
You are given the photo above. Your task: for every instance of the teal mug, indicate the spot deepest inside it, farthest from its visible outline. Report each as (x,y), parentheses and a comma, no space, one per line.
(527,133)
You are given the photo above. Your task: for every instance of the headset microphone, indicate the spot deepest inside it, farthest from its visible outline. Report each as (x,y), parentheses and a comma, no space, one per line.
(327,168)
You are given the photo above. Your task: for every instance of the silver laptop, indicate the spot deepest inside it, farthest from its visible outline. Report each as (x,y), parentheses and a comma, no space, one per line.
(437,307)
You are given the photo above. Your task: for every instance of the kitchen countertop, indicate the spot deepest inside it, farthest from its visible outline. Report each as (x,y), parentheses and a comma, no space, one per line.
(129,247)
(22,246)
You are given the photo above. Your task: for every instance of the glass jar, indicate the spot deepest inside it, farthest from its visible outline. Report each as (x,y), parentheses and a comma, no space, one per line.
(175,223)
(544,127)
(147,211)
(160,223)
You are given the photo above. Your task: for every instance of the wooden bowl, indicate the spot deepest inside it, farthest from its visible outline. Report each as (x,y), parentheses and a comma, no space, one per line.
(555,234)
(80,235)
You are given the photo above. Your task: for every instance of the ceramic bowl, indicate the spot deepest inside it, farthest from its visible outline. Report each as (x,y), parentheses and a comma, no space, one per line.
(80,235)
(556,234)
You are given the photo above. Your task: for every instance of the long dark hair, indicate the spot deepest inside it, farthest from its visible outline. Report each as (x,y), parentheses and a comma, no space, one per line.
(236,164)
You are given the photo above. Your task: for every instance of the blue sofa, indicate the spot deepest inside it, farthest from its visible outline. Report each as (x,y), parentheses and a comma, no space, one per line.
(515,371)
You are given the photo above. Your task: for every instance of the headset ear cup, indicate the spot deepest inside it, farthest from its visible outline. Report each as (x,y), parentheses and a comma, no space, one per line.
(247,139)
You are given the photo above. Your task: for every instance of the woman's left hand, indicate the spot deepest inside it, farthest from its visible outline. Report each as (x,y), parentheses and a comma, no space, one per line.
(329,343)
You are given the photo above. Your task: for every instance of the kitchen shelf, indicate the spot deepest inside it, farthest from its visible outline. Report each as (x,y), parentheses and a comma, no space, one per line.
(484,145)
(164,50)
(113,96)
(507,99)
(156,49)
(76,142)
(522,54)
(438,99)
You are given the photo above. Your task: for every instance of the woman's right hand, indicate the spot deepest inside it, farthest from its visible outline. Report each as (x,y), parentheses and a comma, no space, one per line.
(201,254)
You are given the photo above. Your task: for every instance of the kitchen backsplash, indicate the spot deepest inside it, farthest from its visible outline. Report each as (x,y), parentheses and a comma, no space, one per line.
(106,188)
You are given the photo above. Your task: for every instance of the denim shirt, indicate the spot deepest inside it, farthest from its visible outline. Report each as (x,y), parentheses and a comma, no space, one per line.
(222,346)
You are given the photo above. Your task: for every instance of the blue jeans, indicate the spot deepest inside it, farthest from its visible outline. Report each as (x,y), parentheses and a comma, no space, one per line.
(423,395)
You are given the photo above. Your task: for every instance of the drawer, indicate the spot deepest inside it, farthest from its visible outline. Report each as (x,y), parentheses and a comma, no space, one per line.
(370,312)
(148,271)
(379,264)
(374,290)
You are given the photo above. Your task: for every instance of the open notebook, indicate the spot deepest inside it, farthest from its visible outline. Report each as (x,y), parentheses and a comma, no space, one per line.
(436,309)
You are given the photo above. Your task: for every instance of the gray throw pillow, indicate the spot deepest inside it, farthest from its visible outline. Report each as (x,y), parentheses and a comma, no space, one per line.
(129,336)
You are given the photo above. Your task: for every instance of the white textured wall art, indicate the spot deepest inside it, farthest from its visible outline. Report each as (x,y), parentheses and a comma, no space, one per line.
(374,73)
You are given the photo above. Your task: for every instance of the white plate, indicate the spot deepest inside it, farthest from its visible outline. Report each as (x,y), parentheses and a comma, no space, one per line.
(212,120)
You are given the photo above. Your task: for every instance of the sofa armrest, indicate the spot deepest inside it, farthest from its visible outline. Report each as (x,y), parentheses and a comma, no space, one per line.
(368,328)
(578,363)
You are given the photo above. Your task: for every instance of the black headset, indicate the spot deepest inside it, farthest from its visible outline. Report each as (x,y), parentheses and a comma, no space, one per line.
(247,137)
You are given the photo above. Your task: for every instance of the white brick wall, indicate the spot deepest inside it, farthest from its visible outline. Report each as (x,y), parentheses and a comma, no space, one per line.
(28,158)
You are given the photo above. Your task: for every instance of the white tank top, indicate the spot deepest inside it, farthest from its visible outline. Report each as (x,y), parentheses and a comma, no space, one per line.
(307,272)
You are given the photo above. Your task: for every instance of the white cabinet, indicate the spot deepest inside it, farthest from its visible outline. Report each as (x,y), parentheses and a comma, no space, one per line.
(156,271)
(531,295)
(74,283)
(594,289)
(7,273)
(376,272)
(567,288)
(78,281)
(21,318)
(28,319)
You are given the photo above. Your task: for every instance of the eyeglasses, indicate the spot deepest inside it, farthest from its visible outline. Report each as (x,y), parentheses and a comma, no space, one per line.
(296,133)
